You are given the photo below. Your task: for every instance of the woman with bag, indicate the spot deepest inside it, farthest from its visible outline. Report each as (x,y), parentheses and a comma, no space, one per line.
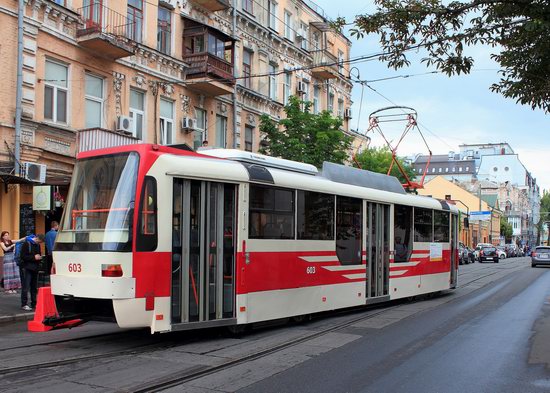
(12,280)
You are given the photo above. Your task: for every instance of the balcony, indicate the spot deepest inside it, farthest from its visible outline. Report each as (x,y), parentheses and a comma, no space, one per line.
(213,5)
(325,64)
(209,54)
(100,138)
(107,32)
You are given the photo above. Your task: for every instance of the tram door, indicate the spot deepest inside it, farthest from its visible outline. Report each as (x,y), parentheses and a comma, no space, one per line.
(454,243)
(203,250)
(377,219)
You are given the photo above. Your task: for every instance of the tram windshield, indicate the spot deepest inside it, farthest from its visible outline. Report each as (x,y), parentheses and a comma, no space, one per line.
(100,205)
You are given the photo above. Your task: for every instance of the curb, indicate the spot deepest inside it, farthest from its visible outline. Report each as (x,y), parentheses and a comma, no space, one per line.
(5,319)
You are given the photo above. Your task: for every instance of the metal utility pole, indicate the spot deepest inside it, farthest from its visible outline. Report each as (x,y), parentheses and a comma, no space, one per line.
(19,85)
(234,32)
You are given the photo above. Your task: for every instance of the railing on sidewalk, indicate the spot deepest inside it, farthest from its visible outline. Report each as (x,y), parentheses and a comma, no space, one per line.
(100,19)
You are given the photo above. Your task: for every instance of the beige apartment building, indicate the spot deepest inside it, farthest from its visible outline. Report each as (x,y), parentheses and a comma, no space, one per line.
(98,73)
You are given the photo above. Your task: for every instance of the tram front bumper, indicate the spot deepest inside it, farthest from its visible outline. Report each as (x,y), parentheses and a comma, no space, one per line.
(94,287)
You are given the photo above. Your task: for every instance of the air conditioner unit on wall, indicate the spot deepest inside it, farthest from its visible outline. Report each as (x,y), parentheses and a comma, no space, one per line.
(301,88)
(188,124)
(34,172)
(125,124)
(347,113)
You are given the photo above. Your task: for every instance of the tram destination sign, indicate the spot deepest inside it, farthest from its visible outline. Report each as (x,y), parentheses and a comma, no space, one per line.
(480,216)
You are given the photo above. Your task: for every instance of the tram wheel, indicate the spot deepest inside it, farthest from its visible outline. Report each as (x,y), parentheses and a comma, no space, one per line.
(301,318)
(237,330)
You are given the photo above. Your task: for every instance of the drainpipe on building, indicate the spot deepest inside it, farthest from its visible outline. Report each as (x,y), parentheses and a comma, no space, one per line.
(19,85)
(234,33)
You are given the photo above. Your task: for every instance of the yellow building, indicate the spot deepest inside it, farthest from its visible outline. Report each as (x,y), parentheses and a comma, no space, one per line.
(98,73)
(472,232)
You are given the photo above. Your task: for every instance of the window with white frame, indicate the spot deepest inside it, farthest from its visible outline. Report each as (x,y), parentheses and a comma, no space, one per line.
(273,82)
(306,89)
(303,30)
(247,68)
(316,98)
(340,108)
(221,129)
(56,92)
(272,14)
(135,20)
(289,33)
(137,112)
(93,101)
(200,128)
(287,86)
(164,30)
(248,6)
(166,121)
(315,41)
(340,62)
(330,104)
(248,135)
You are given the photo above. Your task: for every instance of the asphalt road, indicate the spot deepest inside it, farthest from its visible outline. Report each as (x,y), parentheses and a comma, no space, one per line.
(496,339)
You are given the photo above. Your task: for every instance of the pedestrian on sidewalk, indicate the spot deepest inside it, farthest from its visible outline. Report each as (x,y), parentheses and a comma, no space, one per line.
(50,241)
(31,257)
(12,280)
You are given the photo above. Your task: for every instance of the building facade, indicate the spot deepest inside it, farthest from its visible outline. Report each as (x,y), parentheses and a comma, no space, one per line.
(98,73)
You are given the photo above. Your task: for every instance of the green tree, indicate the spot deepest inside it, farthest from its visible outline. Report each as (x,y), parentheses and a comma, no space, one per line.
(305,136)
(506,229)
(516,31)
(379,160)
(544,215)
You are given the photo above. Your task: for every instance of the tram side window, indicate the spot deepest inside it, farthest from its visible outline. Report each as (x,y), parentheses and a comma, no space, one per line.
(423,225)
(348,230)
(271,213)
(147,236)
(402,230)
(315,216)
(441,226)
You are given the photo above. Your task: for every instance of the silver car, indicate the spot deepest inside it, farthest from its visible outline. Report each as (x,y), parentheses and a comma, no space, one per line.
(540,256)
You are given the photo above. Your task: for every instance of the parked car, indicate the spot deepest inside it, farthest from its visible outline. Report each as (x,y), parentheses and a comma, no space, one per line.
(488,253)
(462,254)
(501,252)
(478,249)
(540,256)
(511,250)
(471,254)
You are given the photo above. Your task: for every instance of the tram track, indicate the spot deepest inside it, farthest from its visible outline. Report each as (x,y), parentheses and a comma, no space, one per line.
(183,377)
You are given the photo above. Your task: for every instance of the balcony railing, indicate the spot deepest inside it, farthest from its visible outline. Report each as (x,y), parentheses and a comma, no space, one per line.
(325,63)
(206,64)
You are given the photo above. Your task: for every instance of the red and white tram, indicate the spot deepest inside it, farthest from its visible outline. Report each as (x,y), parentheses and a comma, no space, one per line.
(160,237)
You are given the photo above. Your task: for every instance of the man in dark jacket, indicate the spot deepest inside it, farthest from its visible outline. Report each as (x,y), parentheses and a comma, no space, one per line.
(31,257)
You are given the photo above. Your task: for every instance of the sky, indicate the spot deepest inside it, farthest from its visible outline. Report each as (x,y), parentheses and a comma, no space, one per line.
(451,110)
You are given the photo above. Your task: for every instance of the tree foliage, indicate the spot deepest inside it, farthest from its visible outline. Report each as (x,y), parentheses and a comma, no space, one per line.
(517,32)
(506,229)
(305,136)
(379,160)
(544,215)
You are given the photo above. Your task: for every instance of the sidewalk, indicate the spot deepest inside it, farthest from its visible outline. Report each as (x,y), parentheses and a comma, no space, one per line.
(10,308)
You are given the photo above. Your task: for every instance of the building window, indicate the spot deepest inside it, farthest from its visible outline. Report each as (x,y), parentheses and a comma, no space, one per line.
(330,104)
(288,26)
(315,216)
(94,101)
(303,30)
(316,98)
(467,168)
(420,170)
(423,225)
(135,20)
(55,92)
(248,135)
(340,108)
(248,6)
(506,168)
(454,169)
(433,170)
(200,128)
(440,170)
(247,68)
(221,129)
(271,213)
(273,82)
(272,14)
(60,2)
(306,91)
(495,169)
(446,170)
(315,41)
(137,112)
(164,33)
(460,169)
(287,86)
(340,62)
(166,122)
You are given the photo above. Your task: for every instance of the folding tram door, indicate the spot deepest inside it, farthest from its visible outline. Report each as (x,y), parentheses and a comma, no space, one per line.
(454,245)
(377,244)
(203,253)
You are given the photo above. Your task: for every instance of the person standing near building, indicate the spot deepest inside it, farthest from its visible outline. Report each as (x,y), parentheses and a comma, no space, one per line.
(31,257)
(50,241)
(12,280)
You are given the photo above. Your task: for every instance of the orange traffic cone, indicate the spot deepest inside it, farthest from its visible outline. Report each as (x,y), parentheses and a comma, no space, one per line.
(45,307)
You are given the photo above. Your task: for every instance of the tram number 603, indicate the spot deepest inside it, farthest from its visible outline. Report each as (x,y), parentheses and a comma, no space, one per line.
(310,270)
(75,267)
